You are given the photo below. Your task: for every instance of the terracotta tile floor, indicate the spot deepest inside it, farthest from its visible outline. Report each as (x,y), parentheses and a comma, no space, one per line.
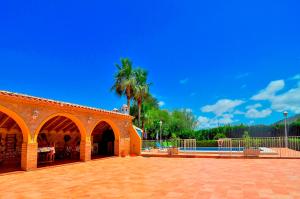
(139,177)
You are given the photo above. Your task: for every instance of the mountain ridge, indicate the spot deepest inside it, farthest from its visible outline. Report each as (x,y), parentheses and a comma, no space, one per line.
(289,120)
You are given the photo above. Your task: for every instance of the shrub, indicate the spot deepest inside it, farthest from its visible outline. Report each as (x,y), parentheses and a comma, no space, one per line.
(207,143)
(219,135)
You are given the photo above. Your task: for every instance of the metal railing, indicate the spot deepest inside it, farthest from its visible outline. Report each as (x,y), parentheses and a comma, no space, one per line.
(263,146)
(252,146)
(186,144)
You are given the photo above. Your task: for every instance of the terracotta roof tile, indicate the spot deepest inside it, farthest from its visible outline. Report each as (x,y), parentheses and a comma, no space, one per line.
(61,103)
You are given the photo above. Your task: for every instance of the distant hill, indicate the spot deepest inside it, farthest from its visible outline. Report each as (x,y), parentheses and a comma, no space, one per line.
(289,119)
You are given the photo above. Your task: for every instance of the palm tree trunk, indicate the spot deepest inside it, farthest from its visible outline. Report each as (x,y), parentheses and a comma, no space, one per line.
(128,104)
(143,124)
(139,111)
(128,95)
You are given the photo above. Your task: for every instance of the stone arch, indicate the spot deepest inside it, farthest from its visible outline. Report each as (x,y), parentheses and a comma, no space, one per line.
(74,119)
(115,130)
(18,119)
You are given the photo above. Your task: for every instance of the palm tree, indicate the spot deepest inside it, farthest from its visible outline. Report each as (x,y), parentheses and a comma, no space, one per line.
(124,80)
(141,89)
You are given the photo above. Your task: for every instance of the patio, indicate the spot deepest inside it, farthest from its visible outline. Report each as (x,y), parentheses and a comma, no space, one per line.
(139,177)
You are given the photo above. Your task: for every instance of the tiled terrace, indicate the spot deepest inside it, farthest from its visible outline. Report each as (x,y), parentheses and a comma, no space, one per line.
(139,177)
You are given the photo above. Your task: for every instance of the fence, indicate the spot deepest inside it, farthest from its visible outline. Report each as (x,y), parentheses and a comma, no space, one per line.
(278,147)
(267,146)
(186,144)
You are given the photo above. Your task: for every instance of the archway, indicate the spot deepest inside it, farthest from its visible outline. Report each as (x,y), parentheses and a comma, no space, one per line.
(58,140)
(104,141)
(11,139)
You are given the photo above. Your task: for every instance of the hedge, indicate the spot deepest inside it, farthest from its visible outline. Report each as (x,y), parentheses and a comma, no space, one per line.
(207,143)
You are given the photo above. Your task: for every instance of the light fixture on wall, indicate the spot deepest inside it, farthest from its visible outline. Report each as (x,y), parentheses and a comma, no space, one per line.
(35,114)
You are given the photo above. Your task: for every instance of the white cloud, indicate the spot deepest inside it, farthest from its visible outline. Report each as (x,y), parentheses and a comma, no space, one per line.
(205,122)
(222,106)
(269,91)
(296,77)
(279,97)
(287,101)
(254,106)
(161,103)
(226,119)
(238,112)
(184,81)
(254,113)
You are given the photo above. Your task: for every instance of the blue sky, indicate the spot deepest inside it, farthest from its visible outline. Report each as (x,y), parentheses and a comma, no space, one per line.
(227,61)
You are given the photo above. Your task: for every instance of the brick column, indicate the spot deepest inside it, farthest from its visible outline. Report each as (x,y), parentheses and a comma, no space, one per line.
(85,151)
(116,148)
(29,156)
(124,146)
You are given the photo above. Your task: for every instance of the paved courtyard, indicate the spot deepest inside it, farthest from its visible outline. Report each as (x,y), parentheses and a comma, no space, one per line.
(139,177)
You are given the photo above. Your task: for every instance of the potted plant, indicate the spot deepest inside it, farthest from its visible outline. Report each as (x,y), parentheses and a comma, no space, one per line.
(173,150)
(249,150)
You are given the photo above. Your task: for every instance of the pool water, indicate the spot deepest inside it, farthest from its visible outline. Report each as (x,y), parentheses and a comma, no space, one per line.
(203,149)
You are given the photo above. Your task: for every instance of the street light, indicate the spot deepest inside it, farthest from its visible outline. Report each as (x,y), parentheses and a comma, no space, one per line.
(160,125)
(285,114)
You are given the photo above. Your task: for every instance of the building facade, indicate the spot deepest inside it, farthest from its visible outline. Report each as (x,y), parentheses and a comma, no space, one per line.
(36,131)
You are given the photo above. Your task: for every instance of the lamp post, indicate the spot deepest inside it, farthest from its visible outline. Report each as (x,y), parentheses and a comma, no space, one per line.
(285,114)
(160,125)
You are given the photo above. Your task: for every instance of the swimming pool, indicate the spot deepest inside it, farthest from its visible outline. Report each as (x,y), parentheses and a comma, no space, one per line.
(211,149)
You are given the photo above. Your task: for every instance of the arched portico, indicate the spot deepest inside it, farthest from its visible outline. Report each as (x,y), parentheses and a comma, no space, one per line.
(59,139)
(105,134)
(73,118)
(17,137)
(30,115)
(21,123)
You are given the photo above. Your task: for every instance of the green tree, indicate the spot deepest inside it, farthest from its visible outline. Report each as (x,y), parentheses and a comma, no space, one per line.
(141,89)
(183,123)
(154,116)
(149,103)
(219,135)
(124,82)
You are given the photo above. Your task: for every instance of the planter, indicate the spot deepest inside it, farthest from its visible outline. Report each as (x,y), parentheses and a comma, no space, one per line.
(123,153)
(173,151)
(251,152)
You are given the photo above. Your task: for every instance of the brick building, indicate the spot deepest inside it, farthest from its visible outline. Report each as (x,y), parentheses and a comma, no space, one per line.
(36,131)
